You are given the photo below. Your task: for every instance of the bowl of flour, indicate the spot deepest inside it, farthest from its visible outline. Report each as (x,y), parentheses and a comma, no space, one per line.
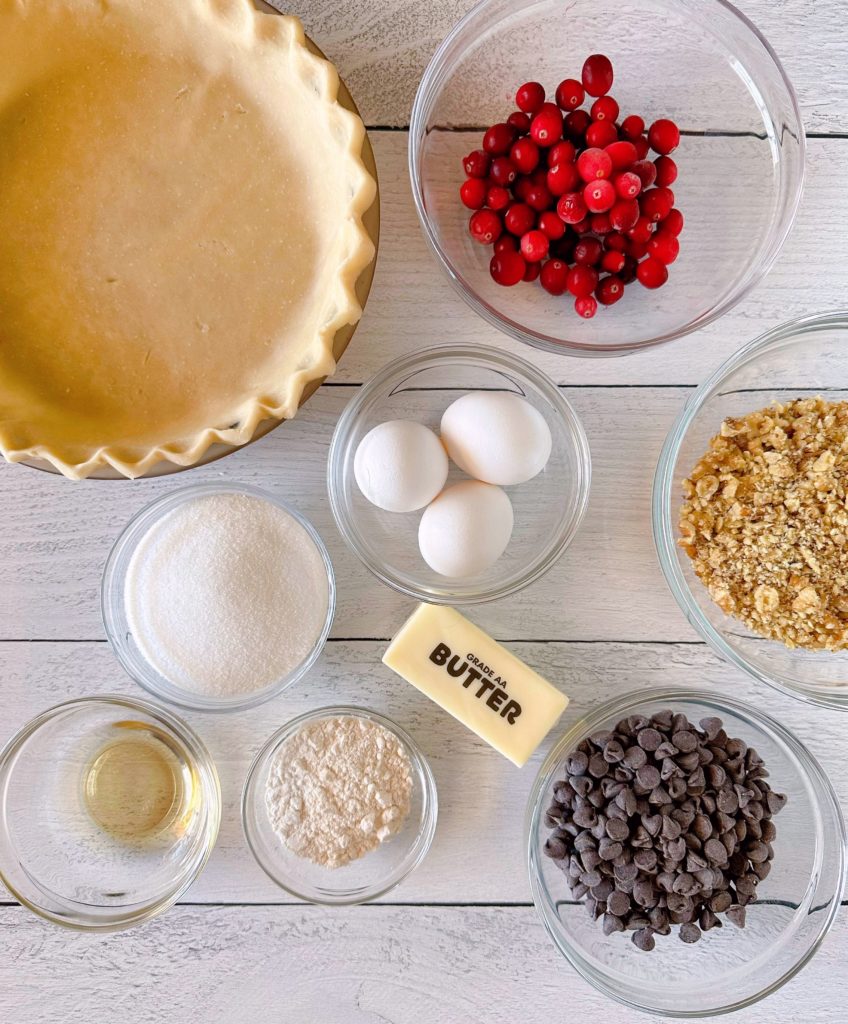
(218,597)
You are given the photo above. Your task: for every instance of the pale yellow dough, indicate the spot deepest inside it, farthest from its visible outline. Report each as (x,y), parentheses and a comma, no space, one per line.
(180,227)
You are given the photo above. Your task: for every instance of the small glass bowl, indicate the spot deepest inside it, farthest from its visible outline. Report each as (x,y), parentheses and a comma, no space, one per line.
(800,359)
(548,509)
(56,860)
(699,62)
(362,880)
(729,968)
(115,617)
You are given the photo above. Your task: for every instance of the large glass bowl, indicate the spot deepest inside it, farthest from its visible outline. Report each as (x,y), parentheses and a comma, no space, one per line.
(730,967)
(699,62)
(799,359)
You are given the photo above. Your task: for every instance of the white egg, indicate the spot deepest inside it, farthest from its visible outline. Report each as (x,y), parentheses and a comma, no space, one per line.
(497,437)
(466,529)
(400,466)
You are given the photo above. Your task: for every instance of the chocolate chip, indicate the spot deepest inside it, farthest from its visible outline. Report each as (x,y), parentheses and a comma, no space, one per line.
(711,727)
(576,763)
(715,851)
(613,752)
(685,741)
(643,938)
(617,829)
(689,932)
(598,767)
(618,903)
(736,915)
(652,823)
(663,719)
(775,802)
(720,902)
(635,757)
(609,850)
(555,848)
(611,924)
(582,785)
(649,739)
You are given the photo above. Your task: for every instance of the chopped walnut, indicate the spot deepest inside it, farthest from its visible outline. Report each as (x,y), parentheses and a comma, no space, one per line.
(765,522)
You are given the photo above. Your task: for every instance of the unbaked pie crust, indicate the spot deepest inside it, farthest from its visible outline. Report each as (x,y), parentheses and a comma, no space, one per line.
(181,201)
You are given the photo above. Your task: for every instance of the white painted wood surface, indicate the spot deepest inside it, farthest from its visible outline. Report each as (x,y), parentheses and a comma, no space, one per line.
(599,624)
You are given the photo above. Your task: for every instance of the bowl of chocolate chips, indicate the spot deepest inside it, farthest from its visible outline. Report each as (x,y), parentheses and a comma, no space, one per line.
(686,852)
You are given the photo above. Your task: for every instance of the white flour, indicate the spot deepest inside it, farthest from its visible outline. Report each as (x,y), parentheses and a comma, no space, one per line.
(337,789)
(226,594)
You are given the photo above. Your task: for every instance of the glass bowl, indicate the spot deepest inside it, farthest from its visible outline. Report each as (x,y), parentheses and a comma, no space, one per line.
(54,856)
(729,968)
(800,359)
(361,880)
(699,62)
(118,628)
(548,509)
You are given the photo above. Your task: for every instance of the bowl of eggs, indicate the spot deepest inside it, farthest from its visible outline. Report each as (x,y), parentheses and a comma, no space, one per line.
(459,474)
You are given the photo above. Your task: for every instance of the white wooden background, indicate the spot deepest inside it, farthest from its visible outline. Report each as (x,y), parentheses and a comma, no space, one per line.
(459,941)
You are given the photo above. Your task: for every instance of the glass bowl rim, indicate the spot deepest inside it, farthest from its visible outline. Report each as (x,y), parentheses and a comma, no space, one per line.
(489,358)
(617,707)
(421,769)
(211,788)
(431,80)
(662,497)
(111,597)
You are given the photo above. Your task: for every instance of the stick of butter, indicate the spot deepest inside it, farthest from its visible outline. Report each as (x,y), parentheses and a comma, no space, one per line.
(476,680)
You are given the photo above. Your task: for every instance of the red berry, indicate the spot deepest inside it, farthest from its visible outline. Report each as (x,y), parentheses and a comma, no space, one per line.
(664,136)
(666,171)
(645,171)
(534,246)
(664,247)
(601,134)
(601,223)
(498,139)
(588,252)
(539,198)
(673,223)
(582,226)
(521,187)
(615,241)
(656,204)
(624,215)
(636,250)
(532,271)
(530,97)
(503,171)
(563,178)
(586,306)
(562,153)
(582,281)
(613,261)
(506,243)
(609,290)
(546,126)
(576,124)
(525,155)
(485,227)
(552,226)
(652,273)
(507,268)
(599,196)
(571,208)
(593,164)
(628,185)
(519,219)
(473,193)
(497,198)
(622,154)
(642,147)
(641,232)
(632,127)
(476,164)
(597,75)
(519,121)
(570,94)
(604,109)
(554,277)
(627,274)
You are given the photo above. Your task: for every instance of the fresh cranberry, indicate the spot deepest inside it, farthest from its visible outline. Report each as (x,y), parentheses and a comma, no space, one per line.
(571,208)
(601,223)
(613,261)
(576,124)
(645,171)
(554,276)
(563,178)
(521,187)
(673,223)
(656,204)
(609,290)
(632,127)
(599,196)
(539,198)
(588,252)
(525,155)
(546,126)
(642,147)
(506,243)
(519,219)
(666,171)
(540,175)
(473,193)
(498,139)
(636,250)
(601,134)
(622,154)
(477,163)
(627,274)
(485,226)
(507,268)
(562,153)
(604,109)
(615,241)
(503,171)
(534,245)
(582,280)
(570,94)
(641,232)
(597,75)
(664,136)
(532,271)
(652,273)
(628,185)
(530,97)
(593,164)
(497,198)
(552,226)
(584,226)
(624,214)
(664,247)
(519,121)
(586,306)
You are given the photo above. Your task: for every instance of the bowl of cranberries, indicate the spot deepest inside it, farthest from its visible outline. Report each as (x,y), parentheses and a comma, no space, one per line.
(597,178)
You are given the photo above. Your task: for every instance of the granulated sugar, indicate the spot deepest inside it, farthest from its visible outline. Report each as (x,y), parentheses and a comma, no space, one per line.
(226,595)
